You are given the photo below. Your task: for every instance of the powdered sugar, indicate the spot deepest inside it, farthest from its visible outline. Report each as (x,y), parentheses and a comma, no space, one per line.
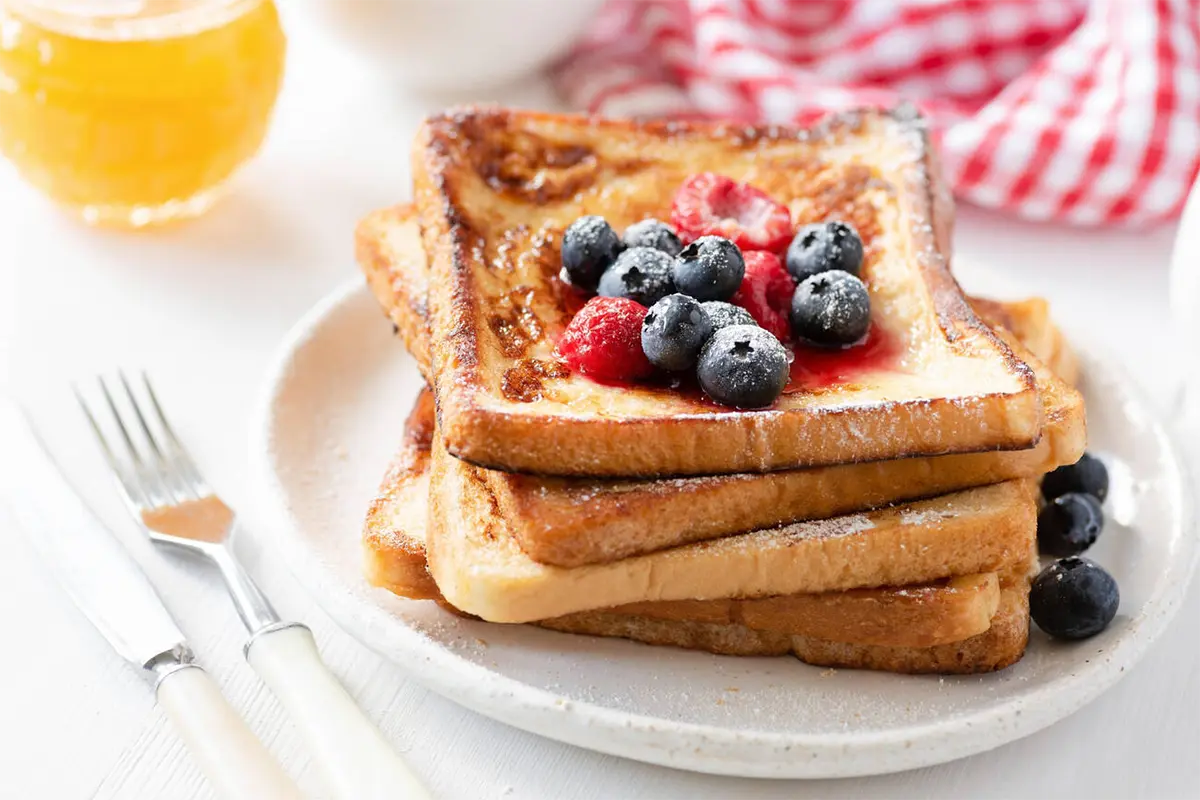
(817,529)
(925,516)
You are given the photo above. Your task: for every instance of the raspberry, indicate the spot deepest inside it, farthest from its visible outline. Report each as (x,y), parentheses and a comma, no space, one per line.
(713,205)
(766,292)
(604,340)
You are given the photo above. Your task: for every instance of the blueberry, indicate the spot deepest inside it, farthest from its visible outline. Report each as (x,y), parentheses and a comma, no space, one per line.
(831,308)
(710,268)
(673,332)
(822,247)
(1073,598)
(653,233)
(743,366)
(641,274)
(1069,524)
(589,247)
(1087,475)
(725,314)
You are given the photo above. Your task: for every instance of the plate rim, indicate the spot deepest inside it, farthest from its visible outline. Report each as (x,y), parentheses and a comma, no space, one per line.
(703,747)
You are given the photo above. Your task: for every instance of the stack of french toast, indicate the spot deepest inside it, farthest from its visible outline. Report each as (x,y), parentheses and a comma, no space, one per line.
(608,444)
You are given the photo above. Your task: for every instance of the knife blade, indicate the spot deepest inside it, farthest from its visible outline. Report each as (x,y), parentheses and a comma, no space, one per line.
(93,567)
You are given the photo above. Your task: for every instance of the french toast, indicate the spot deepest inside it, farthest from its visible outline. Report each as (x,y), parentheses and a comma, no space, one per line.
(962,624)
(1001,645)
(480,568)
(495,189)
(575,521)
(387,245)
(1029,321)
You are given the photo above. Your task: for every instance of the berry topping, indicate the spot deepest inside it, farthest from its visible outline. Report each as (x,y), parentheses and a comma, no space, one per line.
(831,309)
(673,332)
(1069,524)
(710,268)
(653,233)
(589,247)
(766,292)
(1073,598)
(743,366)
(723,315)
(712,205)
(604,340)
(822,247)
(641,274)
(1087,475)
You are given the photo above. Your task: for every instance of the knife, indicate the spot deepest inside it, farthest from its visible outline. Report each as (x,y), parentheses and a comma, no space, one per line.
(112,591)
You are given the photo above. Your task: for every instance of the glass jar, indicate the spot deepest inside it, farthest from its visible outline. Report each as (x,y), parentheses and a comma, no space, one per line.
(135,112)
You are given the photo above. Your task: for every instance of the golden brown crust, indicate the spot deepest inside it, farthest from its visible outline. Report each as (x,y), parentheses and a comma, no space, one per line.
(912,616)
(575,521)
(387,245)
(1001,645)
(570,522)
(1029,320)
(389,251)
(394,533)
(481,569)
(393,539)
(476,235)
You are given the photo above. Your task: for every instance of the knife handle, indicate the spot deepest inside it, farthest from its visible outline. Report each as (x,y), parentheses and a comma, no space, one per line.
(357,762)
(228,753)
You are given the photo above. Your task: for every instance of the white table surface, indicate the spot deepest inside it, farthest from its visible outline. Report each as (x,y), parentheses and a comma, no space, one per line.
(203,306)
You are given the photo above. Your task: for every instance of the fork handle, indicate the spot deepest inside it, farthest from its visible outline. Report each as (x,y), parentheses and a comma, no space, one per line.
(228,753)
(358,764)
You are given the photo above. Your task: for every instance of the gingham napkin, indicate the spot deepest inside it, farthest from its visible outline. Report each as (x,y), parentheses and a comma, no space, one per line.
(1065,110)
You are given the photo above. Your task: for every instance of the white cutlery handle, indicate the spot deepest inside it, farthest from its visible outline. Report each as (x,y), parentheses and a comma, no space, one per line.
(231,757)
(357,762)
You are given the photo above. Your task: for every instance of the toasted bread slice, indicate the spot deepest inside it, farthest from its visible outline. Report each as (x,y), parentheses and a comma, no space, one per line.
(387,244)
(480,568)
(1028,320)
(394,533)
(494,190)
(575,521)
(912,616)
(571,522)
(1002,644)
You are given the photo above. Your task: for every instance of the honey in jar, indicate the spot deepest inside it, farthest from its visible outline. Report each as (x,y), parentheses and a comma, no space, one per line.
(135,112)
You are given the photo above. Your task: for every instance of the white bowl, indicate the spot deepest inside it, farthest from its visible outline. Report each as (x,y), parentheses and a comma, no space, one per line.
(457,45)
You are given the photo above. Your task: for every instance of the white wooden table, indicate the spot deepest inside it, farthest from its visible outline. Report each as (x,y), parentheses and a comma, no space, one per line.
(203,306)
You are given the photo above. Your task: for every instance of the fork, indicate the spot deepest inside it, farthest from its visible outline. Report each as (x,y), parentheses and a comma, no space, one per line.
(173,503)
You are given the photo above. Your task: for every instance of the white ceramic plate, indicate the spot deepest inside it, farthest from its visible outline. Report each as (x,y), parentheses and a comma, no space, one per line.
(333,412)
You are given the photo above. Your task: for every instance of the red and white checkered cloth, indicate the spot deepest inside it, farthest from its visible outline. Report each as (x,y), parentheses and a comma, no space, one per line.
(1067,110)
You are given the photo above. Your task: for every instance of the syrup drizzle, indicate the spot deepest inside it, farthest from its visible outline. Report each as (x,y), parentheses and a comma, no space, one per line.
(815,368)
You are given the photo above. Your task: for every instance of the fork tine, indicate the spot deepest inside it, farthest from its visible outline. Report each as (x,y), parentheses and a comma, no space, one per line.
(137,410)
(162,418)
(112,406)
(129,489)
(183,460)
(170,475)
(100,437)
(152,481)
